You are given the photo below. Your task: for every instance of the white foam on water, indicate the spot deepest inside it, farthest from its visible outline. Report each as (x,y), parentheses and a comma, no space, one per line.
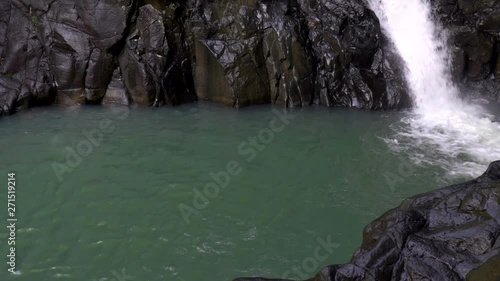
(442,130)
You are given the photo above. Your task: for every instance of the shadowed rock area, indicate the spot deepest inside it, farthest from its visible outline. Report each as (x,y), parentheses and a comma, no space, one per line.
(452,233)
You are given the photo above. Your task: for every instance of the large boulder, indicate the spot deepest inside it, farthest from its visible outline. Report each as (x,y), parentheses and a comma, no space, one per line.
(452,233)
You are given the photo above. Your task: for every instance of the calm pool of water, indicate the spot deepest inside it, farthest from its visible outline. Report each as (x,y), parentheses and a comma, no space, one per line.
(107,193)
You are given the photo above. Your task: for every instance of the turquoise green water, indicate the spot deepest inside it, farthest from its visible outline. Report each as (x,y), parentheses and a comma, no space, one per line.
(114,215)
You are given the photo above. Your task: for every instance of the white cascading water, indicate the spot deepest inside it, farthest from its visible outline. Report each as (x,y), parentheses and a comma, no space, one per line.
(443,130)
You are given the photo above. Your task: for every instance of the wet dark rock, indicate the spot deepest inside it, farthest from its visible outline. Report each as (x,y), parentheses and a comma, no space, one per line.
(25,76)
(295,53)
(80,37)
(144,58)
(475,40)
(166,52)
(289,58)
(452,233)
(155,62)
(63,46)
(355,65)
(151,52)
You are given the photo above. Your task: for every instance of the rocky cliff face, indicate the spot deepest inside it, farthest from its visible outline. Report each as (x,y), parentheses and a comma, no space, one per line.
(147,52)
(164,52)
(451,234)
(294,53)
(474,33)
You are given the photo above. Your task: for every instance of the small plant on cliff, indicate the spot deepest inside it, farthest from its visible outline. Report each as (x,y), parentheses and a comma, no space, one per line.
(34,20)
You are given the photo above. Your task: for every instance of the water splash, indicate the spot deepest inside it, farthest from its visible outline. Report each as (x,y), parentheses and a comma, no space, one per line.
(442,129)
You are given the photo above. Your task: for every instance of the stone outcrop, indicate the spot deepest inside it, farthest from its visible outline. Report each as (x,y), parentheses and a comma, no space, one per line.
(451,234)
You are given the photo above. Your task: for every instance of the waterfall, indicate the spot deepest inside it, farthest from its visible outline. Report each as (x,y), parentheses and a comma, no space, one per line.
(442,129)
